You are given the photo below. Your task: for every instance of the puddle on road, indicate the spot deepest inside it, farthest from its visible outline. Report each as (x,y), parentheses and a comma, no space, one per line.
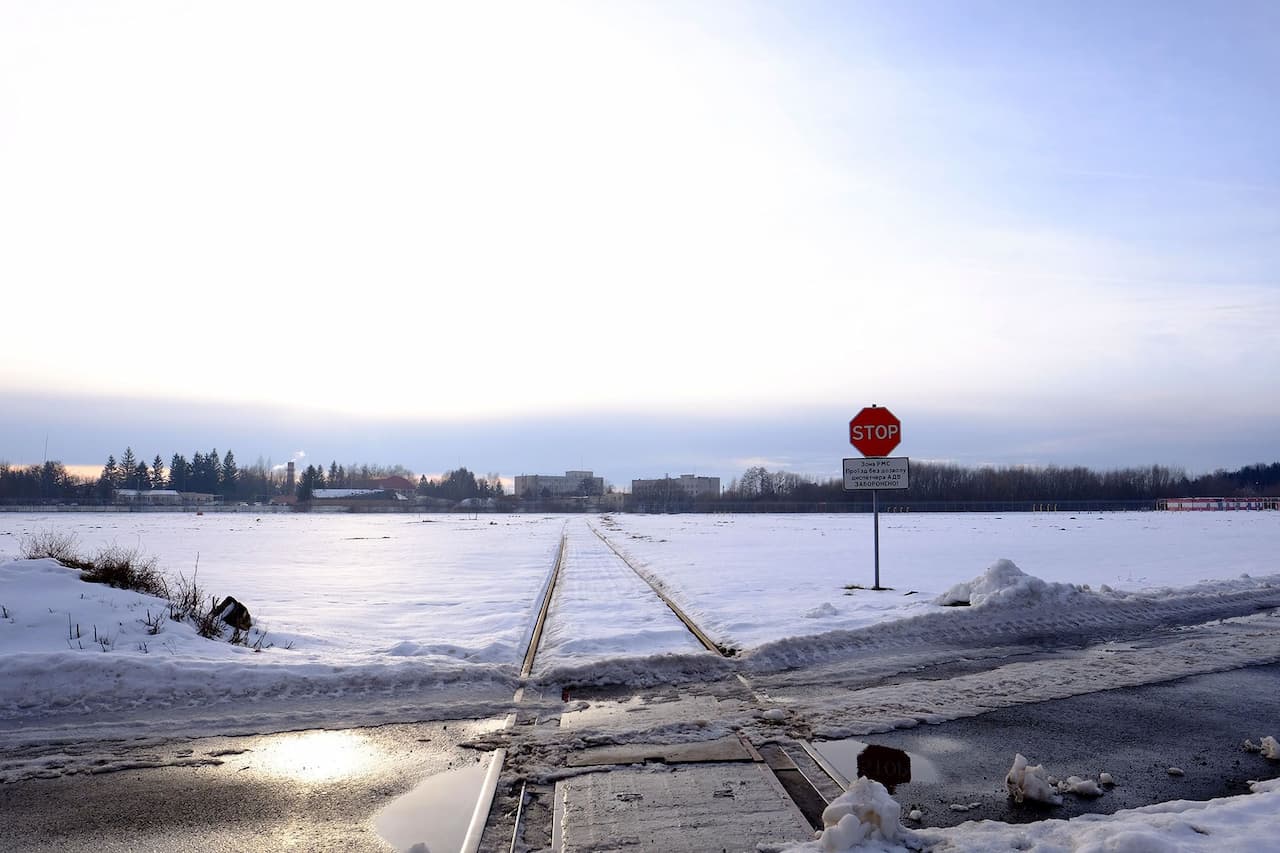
(434,816)
(888,766)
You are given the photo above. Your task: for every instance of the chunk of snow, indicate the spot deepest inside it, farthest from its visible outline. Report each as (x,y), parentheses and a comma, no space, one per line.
(1270,749)
(775,714)
(915,815)
(1080,787)
(1105,778)
(865,812)
(1030,782)
(824,609)
(1004,583)
(1175,771)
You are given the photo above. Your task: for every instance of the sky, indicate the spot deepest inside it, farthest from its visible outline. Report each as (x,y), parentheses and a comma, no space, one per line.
(640,238)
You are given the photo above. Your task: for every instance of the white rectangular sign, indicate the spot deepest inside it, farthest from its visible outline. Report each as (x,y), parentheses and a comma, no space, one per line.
(876,472)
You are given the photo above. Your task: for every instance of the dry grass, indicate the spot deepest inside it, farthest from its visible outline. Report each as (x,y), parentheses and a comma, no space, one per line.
(127,568)
(55,545)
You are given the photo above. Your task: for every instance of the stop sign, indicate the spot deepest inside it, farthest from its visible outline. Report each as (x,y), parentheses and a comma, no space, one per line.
(875,431)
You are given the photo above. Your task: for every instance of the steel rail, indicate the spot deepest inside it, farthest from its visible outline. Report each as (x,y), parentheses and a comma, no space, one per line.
(536,636)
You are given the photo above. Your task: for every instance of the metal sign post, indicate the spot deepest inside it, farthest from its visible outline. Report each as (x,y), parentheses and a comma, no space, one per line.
(875,525)
(872,474)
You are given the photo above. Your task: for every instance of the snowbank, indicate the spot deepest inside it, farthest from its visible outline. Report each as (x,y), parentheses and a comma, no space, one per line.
(1246,822)
(1006,584)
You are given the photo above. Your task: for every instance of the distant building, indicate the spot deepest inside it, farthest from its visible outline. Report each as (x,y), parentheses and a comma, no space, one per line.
(356,495)
(394,483)
(686,484)
(149,497)
(162,497)
(1217,504)
(334,494)
(553,485)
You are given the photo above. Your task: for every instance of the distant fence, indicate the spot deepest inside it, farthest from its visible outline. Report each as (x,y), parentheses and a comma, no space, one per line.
(891,505)
(707,507)
(192,508)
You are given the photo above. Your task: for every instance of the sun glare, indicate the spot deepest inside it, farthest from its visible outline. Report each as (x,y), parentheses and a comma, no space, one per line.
(318,756)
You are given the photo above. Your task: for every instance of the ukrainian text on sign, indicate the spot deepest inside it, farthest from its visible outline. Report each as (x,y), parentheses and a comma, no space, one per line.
(877,473)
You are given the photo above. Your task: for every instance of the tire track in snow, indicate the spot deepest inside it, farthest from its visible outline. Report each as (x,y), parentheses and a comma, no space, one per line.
(836,711)
(1088,618)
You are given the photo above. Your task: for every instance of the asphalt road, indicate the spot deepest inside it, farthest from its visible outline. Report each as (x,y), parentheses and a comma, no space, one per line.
(276,793)
(1136,734)
(306,791)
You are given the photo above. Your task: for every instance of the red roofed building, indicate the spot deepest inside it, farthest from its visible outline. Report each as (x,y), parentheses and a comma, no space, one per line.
(394,484)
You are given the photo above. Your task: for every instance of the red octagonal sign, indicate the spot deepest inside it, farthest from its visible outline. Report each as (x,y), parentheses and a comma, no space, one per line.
(875,431)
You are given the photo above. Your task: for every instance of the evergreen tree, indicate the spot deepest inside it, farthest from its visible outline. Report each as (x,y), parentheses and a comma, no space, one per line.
(307,483)
(214,461)
(111,472)
(157,472)
(179,472)
(197,479)
(333,474)
(230,474)
(110,479)
(141,476)
(128,467)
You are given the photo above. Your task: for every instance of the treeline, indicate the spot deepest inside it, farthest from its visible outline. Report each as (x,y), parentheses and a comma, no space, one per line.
(50,481)
(460,484)
(943,482)
(455,485)
(205,473)
(211,473)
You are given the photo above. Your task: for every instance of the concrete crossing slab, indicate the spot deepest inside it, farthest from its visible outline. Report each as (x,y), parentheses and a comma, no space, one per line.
(723,749)
(730,806)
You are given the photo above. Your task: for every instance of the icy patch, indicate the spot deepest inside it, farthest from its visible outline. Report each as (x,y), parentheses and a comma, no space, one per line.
(1004,583)
(1030,782)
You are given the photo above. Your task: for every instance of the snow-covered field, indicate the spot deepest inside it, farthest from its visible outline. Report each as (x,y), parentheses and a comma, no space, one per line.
(754,579)
(353,604)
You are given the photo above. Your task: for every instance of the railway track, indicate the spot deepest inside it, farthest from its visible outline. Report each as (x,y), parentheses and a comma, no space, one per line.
(568,554)
(586,577)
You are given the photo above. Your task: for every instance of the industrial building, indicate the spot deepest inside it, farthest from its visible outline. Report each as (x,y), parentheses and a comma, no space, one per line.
(573,483)
(686,484)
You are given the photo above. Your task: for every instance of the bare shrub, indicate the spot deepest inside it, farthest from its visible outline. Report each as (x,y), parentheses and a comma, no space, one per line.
(53,544)
(186,598)
(127,568)
(187,603)
(153,623)
(208,623)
